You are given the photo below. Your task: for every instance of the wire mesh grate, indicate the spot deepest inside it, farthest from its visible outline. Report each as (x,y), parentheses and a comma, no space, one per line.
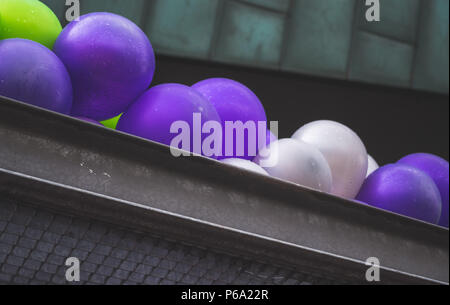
(35,243)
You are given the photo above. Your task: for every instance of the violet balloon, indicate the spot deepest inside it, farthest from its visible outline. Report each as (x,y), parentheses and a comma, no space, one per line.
(153,114)
(233,102)
(438,169)
(111,63)
(404,190)
(31,73)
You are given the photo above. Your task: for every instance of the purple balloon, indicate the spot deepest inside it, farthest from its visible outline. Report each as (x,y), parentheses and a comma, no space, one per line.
(111,63)
(31,73)
(89,120)
(404,190)
(438,169)
(233,102)
(153,114)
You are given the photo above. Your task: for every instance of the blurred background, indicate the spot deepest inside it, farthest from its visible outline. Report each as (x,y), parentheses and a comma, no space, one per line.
(312,59)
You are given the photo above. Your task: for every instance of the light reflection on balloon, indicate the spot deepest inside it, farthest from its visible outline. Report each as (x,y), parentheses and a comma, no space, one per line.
(403,190)
(344,151)
(296,162)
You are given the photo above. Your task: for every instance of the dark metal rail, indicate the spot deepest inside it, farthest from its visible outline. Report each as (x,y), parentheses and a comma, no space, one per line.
(63,163)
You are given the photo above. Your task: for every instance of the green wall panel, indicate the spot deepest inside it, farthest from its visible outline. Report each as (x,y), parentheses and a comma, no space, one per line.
(380,60)
(409,47)
(399,19)
(432,63)
(319,37)
(131,9)
(250,35)
(183,27)
(279,5)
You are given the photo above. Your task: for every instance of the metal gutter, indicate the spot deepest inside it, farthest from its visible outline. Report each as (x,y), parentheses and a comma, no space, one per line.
(81,168)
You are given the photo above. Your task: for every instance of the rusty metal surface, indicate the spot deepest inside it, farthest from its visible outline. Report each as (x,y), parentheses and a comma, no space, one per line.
(75,154)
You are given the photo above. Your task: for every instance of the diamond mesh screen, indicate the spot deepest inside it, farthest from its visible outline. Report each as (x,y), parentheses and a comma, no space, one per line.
(34,244)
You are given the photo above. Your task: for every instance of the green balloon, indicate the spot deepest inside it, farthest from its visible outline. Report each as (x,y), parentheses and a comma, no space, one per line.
(111,123)
(29,19)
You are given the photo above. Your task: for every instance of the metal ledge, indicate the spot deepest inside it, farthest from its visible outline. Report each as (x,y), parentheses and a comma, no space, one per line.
(109,175)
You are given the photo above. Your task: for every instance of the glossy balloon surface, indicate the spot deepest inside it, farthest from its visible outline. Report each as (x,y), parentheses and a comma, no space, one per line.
(233,102)
(112,123)
(438,169)
(344,152)
(296,162)
(404,190)
(110,61)
(31,73)
(28,19)
(153,114)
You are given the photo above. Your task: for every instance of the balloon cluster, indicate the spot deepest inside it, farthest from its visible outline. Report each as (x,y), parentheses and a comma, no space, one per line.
(100,67)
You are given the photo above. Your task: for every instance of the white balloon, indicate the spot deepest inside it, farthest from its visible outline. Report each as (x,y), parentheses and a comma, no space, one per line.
(373,165)
(344,151)
(296,162)
(245,164)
